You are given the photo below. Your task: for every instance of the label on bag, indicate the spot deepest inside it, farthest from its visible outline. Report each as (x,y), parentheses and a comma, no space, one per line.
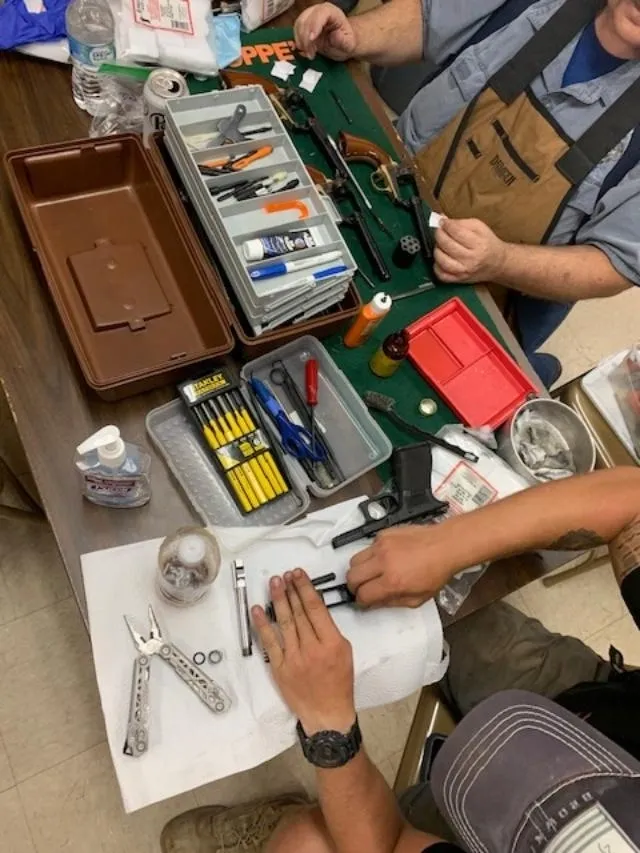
(464,489)
(171,15)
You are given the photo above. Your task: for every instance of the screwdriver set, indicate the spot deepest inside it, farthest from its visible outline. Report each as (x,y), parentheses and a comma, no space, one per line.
(240,447)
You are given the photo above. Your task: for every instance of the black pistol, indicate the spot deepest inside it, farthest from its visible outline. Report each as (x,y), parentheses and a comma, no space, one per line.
(412,474)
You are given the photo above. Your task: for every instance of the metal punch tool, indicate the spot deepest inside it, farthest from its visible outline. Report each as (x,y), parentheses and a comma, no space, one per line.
(137,737)
(242,604)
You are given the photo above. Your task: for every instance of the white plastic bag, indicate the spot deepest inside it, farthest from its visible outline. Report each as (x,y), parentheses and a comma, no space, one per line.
(255,13)
(175,33)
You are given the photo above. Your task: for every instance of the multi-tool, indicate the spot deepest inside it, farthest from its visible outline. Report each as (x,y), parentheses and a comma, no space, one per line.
(137,738)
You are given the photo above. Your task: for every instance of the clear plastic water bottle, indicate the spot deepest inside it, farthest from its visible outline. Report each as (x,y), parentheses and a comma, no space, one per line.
(91,34)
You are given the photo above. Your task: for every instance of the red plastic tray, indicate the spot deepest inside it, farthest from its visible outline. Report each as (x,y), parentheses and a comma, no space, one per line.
(467,366)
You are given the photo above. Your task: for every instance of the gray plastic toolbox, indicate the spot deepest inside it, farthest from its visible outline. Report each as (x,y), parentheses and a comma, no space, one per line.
(191,124)
(356,440)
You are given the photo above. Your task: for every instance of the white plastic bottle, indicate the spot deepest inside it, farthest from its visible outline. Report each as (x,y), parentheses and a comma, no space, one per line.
(91,34)
(114,472)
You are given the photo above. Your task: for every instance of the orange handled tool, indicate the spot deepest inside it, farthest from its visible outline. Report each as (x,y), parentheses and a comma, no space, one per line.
(252,157)
(293,204)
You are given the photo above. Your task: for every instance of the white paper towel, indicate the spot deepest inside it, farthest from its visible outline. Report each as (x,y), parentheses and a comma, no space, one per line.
(395,650)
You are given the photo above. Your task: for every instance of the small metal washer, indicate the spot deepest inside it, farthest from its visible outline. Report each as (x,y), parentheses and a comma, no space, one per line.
(215,656)
(199,658)
(427,407)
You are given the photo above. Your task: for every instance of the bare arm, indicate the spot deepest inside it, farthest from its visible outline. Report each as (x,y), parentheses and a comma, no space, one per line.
(409,565)
(390,34)
(312,664)
(468,251)
(560,273)
(359,789)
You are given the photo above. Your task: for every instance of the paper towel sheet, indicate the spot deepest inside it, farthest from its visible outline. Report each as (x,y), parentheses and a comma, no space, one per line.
(396,651)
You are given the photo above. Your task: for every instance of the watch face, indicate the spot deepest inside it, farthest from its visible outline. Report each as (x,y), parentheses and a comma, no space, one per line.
(329,749)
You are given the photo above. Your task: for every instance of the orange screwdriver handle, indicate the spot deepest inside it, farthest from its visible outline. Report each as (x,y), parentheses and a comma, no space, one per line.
(256,155)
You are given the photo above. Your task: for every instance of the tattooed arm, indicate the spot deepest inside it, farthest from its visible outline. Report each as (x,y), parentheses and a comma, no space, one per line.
(408,565)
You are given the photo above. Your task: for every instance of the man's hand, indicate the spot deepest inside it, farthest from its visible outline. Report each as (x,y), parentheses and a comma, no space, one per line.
(403,568)
(325,29)
(311,661)
(467,251)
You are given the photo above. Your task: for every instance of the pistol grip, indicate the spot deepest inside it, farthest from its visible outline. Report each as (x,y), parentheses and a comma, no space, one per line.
(412,468)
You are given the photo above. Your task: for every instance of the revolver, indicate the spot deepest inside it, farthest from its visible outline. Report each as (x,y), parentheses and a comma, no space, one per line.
(387,177)
(413,500)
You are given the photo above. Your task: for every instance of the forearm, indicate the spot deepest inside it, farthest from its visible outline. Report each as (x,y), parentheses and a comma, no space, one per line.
(360,810)
(390,34)
(559,273)
(574,514)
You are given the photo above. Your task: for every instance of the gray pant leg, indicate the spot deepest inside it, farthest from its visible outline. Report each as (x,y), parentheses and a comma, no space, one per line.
(499,648)
(495,649)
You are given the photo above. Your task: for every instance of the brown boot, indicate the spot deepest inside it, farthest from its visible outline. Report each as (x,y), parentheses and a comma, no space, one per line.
(219,829)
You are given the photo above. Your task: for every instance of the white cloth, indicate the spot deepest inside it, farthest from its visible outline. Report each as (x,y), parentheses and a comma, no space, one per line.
(395,651)
(190,50)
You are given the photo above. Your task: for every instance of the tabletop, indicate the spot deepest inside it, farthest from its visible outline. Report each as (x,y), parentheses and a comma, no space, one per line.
(53,408)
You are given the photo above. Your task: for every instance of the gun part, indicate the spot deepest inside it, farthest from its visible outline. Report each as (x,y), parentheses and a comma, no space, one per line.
(340,106)
(407,294)
(381,403)
(242,607)
(412,474)
(333,154)
(338,190)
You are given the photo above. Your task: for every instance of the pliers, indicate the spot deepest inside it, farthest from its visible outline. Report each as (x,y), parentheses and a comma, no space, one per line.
(137,738)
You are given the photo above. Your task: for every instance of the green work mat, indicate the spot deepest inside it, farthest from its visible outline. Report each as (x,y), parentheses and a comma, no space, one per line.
(406,385)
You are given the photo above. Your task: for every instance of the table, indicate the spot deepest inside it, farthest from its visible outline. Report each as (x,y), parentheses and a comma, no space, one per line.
(53,408)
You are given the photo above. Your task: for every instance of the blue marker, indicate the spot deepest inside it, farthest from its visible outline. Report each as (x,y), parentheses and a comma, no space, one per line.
(284,267)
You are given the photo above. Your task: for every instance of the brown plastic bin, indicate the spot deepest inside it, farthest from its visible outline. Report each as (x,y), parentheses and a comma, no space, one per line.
(130,281)
(250,345)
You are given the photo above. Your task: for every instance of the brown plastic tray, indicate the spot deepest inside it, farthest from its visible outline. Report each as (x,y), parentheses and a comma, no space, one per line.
(131,283)
(250,345)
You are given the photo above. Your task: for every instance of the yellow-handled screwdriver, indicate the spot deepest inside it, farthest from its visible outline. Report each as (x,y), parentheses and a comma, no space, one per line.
(244,412)
(214,426)
(208,434)
(222,424)
(262,478)
(239,492)
(253,498)
(240,419)
(255,485)
(230,418)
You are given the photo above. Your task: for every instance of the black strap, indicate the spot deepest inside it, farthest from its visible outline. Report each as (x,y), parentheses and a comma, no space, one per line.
(629,159)
(533,57)
(603,135)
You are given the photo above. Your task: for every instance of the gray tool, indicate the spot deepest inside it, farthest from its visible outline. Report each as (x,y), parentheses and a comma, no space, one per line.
(229,128)
(242,606)
(137,737)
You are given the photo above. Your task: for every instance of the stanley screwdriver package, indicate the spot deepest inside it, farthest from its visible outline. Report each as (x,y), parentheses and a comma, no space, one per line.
(239,445)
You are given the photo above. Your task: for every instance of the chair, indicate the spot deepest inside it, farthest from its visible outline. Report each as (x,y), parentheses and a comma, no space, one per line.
(432,716)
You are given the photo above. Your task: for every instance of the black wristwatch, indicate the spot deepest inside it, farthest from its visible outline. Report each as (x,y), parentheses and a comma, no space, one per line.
(330,748)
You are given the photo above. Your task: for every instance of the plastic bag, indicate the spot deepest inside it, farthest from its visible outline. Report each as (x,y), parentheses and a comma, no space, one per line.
(19,25)
(625,382)
(124,107)
(176,34)
(468,486)
(255,13)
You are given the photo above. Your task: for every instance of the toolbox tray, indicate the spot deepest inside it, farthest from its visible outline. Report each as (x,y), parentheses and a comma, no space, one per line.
(358,443)
(323,325)
(130,282)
